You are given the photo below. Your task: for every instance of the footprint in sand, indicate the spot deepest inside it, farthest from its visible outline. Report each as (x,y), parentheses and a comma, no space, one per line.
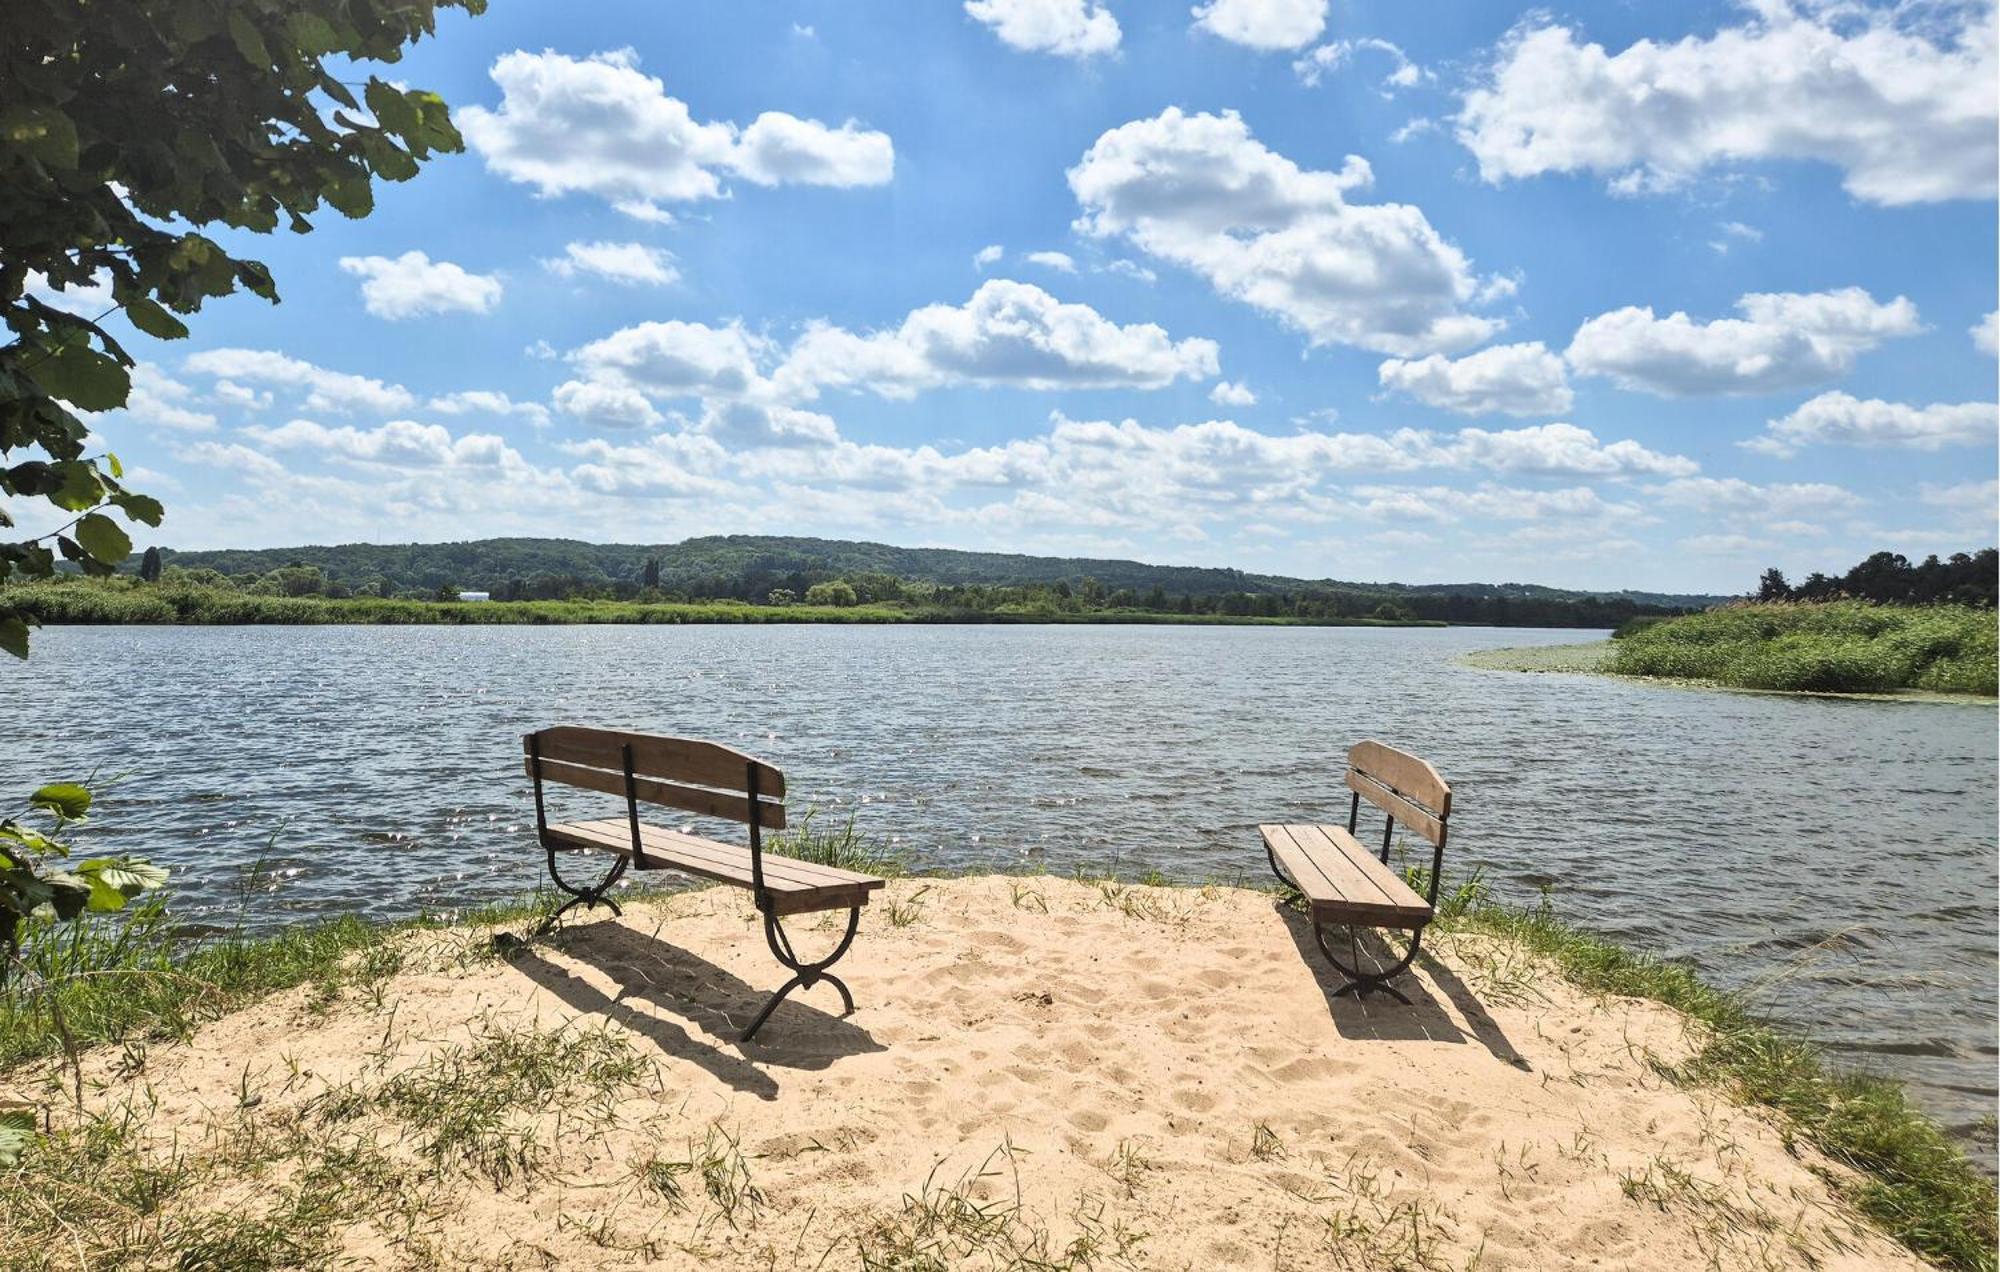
(1088,1118)
(1194,1099)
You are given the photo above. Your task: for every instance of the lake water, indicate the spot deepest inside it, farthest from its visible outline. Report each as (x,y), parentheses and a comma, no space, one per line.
(1840,855)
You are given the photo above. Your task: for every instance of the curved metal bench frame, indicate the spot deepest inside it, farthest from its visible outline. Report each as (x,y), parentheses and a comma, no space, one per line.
(1360,983)
(804,974)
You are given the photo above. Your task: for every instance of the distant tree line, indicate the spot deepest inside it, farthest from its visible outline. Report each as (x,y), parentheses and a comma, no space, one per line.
(751,567)
(1063,597)
(1888,578)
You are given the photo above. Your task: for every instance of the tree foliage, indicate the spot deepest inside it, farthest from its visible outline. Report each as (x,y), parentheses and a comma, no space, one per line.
(127,129)
(1889,578)
(37,879)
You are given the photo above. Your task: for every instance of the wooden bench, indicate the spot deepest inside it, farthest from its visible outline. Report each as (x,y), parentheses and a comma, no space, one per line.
(1343,882)
(712,781)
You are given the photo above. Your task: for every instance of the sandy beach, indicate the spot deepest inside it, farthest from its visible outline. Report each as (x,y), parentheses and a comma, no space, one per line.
(1040,1073)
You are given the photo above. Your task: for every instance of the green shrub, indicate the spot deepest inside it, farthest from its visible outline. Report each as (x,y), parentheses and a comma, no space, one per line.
(1835,647)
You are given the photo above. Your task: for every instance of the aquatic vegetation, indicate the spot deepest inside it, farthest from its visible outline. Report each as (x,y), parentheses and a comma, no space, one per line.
(1834,647)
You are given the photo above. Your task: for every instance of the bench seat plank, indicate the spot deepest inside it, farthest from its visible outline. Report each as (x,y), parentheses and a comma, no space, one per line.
(795,886)
(1343,880)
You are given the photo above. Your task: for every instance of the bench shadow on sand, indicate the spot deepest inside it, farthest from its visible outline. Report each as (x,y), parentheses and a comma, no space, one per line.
(650,972)
(1380,1018)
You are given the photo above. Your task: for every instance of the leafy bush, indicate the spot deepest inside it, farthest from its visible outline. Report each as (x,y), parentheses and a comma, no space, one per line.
(1837,647)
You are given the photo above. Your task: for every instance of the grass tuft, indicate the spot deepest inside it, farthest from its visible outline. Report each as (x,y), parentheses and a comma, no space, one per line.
(474,1107)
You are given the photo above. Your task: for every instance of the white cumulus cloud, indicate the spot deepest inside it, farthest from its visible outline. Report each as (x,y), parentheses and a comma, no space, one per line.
(1515,379)
(322,390)
(1201,192)
(1061,262)
(628,264)
(599,125)
(781,149)
(1783,340)
(1263,24)
(1232,393)
(1907,112)
(398,444)
(488,402)
(606,405)
(1009,333)
(158,400)
(1986,335)
(675,359)
(1563,448)
(1327,58)
(1067,28)
(1733,496)
(1843,420)
(413,285)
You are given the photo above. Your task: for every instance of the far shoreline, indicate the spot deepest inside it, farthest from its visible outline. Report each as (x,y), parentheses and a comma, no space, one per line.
(1590,659)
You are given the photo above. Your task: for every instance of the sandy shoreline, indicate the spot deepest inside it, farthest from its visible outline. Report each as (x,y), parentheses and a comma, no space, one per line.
(1038,1069)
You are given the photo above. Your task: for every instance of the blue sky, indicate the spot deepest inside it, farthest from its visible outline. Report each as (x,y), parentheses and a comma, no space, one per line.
(1614,295)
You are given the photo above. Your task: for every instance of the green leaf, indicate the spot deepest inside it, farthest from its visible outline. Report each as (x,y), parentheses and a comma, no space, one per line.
(69,894)
(83,377)
(338,91)
(41,131)
(103,538)
(139,507)
(14,635)
(257,278)
(390,163)
(313,33)
(65,799)
(154,320)
(31,840)
(17,1131)
(128,876)
(392,110)
(74,485)
(104,899)
(248,42)
(351,196)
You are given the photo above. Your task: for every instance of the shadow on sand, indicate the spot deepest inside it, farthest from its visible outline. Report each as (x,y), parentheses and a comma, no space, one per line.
(660,986)
(1381,1018)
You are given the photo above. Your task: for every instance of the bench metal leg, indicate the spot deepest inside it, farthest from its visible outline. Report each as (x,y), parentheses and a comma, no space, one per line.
(582,896)
(1359,983)
(805,975)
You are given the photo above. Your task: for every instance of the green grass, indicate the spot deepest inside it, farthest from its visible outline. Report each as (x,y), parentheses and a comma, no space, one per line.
(128,601)
(127,980)
(841,846)
(1833,647)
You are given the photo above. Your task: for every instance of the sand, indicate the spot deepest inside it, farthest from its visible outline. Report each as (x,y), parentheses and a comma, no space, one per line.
(1038,1070)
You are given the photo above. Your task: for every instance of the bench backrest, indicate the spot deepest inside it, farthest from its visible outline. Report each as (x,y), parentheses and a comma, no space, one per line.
(1401,785)
(697,777)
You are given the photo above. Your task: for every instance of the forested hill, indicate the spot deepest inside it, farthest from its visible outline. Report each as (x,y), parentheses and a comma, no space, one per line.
(751,567)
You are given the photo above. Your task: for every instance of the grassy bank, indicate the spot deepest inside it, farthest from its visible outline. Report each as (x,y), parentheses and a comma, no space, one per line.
(1836,647)
(128,601)
(1566,659)
(121,991)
